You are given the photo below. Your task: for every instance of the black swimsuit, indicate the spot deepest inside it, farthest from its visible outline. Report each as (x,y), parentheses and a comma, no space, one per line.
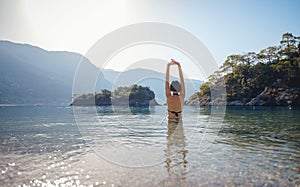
(176,113)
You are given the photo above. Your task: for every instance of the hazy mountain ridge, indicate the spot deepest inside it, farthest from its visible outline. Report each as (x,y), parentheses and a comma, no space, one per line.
(32,75)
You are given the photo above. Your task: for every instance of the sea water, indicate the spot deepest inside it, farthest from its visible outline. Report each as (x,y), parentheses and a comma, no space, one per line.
(118,146)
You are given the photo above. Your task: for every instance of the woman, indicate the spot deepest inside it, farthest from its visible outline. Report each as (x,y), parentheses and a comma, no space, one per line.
(175,93)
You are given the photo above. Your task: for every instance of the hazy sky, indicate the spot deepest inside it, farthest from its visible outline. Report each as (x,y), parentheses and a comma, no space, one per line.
(224,26)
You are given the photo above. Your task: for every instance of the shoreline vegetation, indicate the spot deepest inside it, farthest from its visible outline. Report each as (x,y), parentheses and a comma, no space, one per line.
(132,96)
(268,78)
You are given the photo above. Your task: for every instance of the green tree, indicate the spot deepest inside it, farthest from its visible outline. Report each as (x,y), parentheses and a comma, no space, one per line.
(249,74)
(269,55)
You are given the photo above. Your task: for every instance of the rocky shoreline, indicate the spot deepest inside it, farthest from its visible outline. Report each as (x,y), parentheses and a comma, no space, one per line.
(271,96)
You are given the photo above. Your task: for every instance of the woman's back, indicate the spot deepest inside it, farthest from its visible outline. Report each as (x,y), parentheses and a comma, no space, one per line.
(174,102)
(174,106)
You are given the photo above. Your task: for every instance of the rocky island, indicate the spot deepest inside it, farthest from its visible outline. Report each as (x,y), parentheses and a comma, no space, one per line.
(133,96)
(268,78)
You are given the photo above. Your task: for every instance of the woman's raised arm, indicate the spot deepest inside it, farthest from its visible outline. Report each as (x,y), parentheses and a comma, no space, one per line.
(167,84)
(182,92)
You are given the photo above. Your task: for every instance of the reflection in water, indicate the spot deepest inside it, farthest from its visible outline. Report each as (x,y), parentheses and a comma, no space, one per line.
(139,110)
(176,153)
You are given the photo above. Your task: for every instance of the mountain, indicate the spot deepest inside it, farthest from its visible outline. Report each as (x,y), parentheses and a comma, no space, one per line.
(31,75)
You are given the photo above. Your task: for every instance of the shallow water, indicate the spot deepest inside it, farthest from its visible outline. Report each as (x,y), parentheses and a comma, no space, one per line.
(52,146)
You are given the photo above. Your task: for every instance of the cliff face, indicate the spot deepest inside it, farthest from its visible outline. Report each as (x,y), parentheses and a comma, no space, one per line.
(276,95)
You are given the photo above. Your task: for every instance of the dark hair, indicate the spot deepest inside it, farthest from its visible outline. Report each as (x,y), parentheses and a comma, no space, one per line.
(175,86)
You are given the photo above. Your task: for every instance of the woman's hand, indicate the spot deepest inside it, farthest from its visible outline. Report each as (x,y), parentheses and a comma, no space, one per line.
(171,63)
(175,62)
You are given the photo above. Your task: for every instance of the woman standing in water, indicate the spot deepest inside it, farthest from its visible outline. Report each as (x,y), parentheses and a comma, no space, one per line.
(175,93)
(175,152)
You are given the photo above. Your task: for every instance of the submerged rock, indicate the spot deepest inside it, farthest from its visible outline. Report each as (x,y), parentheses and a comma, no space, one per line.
(235,103)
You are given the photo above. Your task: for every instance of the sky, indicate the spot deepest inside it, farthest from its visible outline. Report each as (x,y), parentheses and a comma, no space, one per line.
(224,26)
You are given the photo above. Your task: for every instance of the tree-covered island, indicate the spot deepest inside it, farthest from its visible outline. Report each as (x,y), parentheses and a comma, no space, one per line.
(132,96)
(268,78)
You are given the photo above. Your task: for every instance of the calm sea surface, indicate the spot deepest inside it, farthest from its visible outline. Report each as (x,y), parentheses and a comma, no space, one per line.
(86,146)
